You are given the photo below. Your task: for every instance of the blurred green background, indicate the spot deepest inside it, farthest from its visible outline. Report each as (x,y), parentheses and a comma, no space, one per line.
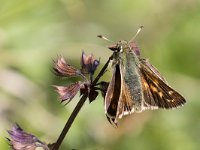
(32,33)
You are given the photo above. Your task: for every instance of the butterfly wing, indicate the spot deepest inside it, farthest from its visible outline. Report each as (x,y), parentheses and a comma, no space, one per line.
(118,100)
(152,69)
(130,99)
(125,103)
(113,94)
(157,94)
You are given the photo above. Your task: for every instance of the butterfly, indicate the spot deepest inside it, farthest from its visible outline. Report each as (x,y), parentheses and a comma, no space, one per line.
(136,85)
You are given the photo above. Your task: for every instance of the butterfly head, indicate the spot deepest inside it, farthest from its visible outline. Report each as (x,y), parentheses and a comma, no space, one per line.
(119,46)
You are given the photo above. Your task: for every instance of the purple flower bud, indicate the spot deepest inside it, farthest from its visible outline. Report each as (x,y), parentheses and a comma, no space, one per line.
(20,140)
(89,63)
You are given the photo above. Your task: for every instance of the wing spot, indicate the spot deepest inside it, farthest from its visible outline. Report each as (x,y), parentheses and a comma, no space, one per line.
(160,94)
(154,88)
(171,100)
(145,84)
(168,100)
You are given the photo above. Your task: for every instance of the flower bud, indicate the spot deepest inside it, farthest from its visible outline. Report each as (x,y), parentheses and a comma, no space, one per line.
(89,63)
(20,140)
(67,93)
(63,69)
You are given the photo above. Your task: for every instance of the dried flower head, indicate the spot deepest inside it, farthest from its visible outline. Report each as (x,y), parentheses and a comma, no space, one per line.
(20,140)
(63,69)
(88,66)
(67,93)
(89,63)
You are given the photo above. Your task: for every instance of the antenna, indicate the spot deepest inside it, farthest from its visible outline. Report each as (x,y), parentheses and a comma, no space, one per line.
(105,38)
(138,31)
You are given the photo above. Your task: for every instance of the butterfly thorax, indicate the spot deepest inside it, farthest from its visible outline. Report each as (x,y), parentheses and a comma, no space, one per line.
(119,49)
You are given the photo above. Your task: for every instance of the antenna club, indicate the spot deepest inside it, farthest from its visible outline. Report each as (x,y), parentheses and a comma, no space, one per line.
(138,31)
(105,38)
(100,36)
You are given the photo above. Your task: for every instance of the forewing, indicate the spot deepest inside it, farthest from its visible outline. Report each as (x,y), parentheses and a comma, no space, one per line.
(118,100)
(157,94)
(125,103)
(152,69)
(113,93)
(148,102)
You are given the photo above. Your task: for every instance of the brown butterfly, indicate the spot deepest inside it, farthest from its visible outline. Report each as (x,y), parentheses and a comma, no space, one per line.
(136,85)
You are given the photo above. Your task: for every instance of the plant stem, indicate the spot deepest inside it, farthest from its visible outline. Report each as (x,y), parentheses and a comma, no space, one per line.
(77,109)
(69,122)
(102,71)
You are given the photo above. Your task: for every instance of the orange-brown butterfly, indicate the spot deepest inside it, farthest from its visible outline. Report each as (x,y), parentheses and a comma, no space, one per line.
(136,85)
